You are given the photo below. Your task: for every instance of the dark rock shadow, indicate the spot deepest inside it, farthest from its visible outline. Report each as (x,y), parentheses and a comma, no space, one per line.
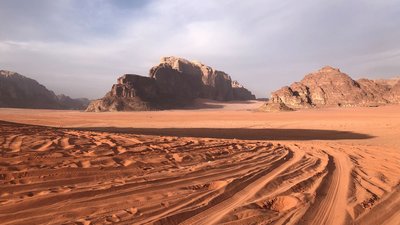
(239,133)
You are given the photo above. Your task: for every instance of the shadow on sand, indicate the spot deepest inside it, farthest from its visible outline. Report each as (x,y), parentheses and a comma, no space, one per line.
(202,104)
(238,133)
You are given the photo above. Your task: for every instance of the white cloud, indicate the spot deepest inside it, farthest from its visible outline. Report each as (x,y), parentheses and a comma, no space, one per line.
(81,47)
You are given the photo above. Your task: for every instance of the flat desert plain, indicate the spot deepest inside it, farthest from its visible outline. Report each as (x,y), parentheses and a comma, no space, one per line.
(222,165)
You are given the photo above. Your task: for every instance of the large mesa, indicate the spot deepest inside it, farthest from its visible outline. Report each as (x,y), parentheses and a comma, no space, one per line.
(173,83)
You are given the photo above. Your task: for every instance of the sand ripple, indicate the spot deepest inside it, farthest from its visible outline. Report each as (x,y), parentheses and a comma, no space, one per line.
(64,176)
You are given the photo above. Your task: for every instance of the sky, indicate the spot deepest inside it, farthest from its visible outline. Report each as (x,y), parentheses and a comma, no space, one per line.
(80,47)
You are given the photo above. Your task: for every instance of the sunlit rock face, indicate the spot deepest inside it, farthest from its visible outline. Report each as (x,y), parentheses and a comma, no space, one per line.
(329,87)
(202,80)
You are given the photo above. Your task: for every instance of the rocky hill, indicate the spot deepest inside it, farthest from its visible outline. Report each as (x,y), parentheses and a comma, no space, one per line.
(66,102)
(173,83)
(329,87)
(18,91)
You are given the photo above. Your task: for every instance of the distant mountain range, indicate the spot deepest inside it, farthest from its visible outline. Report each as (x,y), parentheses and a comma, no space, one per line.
(177,82)
(18,91)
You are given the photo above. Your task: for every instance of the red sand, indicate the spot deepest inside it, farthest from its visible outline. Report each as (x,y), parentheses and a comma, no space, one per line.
(326,166)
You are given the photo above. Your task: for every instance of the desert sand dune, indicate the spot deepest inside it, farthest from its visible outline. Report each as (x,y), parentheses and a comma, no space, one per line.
(331,166)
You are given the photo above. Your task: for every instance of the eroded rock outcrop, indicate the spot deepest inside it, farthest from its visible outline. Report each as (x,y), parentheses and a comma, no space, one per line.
(274,107)
(240,92)
(394,94)
(18,91)
(178,80)
(204,81)
(131,93)
(173,83)
(330,87)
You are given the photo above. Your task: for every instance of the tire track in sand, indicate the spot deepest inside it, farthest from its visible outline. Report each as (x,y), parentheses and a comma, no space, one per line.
(16,143)
(330,204)
(217,212)
(385,213)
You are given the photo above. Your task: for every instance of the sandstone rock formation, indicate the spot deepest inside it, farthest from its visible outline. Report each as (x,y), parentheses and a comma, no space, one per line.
(274,107)
(394,94)
(131,93)
(18,91)
(240,92)
(330,87)
(173,83)
(66,102)
(204,81)
(178,80)
(388,82)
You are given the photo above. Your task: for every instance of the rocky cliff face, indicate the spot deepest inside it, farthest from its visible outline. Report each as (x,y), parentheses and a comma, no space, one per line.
(173,83)
(131,93)
(240,92)
(202,80)
(18,91)
(330,87)
(394,94)
(178,80)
